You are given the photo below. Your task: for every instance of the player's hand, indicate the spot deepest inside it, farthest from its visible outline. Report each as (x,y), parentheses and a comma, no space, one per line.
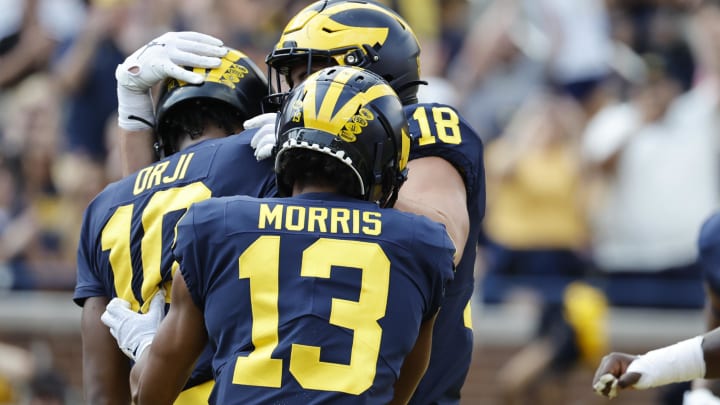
(166,56)
(700,396)
(163,57)
(134,332)
(612,374)
(264,139)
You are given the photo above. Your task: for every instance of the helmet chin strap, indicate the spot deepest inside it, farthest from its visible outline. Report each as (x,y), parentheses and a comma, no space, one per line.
(157,147)
(377,174)
(141,119)
(400,178)
(409,99)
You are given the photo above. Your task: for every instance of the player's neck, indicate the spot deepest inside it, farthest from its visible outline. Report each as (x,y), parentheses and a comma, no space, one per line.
(313,188)
(210,132)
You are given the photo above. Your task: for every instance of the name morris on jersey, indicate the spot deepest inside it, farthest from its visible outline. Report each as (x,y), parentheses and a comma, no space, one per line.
(319,219)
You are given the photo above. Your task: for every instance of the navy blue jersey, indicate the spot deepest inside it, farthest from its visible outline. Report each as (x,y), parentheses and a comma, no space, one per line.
(128,229)
(709,252)
(310,299)
(439,130)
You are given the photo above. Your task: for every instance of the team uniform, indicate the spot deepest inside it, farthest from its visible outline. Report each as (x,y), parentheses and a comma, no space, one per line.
(128,229)
(439,130)
(310,299)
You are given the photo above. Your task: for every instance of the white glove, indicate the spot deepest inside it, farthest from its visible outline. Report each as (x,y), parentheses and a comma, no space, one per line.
(264,139)
(163,57)
(700,396)
(134,332)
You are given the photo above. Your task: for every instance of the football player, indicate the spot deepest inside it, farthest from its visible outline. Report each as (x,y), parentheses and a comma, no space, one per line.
(694,358)
(127,231)
(446,175)
(328,296)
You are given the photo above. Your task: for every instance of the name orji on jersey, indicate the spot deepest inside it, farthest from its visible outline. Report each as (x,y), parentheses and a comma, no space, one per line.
(155,175)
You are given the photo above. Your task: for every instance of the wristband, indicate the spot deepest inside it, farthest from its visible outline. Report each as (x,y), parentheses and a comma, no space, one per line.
(141,348)
(683,361)
(135,110)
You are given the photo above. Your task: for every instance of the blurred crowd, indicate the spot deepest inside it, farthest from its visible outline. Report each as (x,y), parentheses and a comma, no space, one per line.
(599,117)
(600,121)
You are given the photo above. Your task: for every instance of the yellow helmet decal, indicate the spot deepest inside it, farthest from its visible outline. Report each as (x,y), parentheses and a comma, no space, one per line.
(404,150)
(350,118)
(299,20)
(228,73)
(340,7)
(330,34)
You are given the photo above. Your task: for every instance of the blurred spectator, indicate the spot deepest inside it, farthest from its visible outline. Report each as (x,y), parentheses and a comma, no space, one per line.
(29,146)
(537,236)
(495,70)
(84,69)
(535,221)
(657,155)
(29,30)
(78,179)
(48,191)
(17,229)
(579,46)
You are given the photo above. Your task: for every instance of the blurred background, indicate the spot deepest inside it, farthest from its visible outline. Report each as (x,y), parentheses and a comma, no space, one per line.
(600,124)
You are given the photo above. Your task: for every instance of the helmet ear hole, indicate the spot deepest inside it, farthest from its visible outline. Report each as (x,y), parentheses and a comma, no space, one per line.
(351,59)
(354,58)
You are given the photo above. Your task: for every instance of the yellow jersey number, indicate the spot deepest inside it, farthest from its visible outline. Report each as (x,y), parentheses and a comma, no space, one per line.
(116,238)
(259,264)
(447,125)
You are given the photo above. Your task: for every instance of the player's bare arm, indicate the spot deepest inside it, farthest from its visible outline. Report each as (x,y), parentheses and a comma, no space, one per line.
(435,189)
(168,362)
(105,367)
(136,150)
(415,364)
